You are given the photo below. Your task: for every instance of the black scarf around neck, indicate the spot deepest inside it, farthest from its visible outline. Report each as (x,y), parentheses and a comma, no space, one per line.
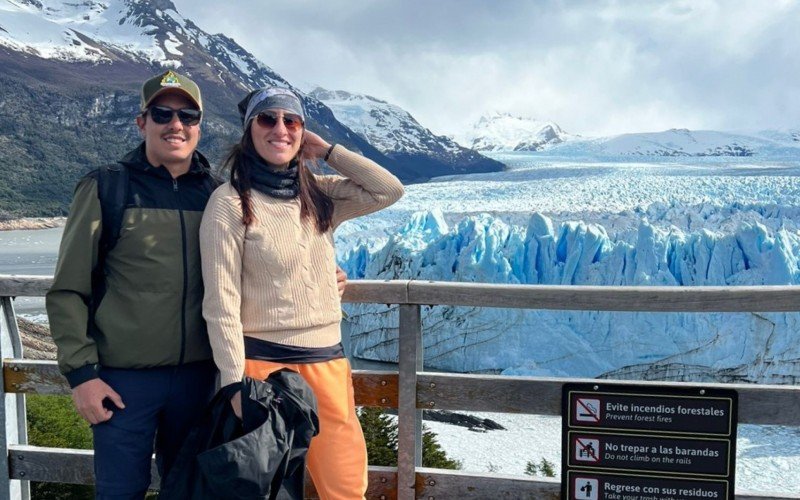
(283,184)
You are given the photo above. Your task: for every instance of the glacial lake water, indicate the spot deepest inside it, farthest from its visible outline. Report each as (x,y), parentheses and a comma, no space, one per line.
(29,252)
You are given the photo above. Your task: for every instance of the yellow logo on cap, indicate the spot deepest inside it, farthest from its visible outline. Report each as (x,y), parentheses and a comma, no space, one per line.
(170,80)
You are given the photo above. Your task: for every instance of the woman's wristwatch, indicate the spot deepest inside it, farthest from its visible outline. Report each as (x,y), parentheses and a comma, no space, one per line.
(328,153)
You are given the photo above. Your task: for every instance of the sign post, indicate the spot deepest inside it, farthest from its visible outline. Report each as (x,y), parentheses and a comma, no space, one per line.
(638,442)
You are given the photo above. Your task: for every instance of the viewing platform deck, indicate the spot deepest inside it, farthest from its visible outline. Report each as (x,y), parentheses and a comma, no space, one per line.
(410,389)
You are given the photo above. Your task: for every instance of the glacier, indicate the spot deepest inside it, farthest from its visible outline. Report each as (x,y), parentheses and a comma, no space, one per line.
(737,347)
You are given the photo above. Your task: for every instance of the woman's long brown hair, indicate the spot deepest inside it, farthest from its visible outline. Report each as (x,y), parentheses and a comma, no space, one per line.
(314,203)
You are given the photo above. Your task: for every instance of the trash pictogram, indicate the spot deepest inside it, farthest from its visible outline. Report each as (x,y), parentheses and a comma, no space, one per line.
(586,488)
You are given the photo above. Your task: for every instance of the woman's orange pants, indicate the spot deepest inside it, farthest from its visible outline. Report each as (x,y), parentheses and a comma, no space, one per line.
(337,456)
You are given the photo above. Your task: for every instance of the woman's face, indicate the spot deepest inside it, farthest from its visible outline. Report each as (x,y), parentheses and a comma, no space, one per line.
(277,136)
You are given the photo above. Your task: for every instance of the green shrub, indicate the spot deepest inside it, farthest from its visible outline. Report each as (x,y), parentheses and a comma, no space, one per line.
(53,422)
(433,455)
(545,468)
(380,433)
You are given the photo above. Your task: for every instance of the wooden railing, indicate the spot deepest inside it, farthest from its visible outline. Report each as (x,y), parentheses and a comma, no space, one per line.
(410,389)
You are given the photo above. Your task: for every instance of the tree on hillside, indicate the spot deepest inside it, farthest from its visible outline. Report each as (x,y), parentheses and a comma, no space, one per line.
(433,455)
(545,468)
(380,432)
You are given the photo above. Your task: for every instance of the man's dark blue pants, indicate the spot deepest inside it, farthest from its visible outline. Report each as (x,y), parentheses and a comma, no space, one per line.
(161,405)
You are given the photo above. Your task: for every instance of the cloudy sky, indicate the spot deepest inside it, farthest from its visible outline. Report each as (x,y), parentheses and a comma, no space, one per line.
(594,67)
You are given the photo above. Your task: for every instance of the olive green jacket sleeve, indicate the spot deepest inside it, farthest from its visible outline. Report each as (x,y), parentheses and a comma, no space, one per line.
(67,301)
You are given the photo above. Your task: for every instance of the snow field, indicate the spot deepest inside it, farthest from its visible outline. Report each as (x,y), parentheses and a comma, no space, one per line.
(767,457)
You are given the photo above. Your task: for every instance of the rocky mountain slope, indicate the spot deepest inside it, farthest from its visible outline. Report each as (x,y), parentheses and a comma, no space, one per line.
(69,80)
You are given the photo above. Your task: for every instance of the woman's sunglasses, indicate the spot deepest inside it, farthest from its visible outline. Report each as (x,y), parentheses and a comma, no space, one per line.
(163,115)
(293,123)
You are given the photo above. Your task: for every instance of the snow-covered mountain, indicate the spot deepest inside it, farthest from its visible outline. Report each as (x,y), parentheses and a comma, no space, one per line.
(82,63)
(108,31)
(683,142)
(394,131)
(506,132)
(387,126)
(789,138)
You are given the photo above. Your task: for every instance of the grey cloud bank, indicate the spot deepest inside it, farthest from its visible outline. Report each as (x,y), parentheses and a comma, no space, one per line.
(593,67)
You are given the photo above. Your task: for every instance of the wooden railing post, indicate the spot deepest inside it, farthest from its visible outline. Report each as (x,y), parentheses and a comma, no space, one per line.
(12,407)
(409,418)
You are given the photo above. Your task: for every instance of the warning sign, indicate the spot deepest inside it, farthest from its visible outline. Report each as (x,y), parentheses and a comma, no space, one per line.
(683,414)
(636,442)
(610,486)
(653,453)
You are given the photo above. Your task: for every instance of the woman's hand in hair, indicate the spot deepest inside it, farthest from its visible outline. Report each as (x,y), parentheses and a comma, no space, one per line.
(315,146)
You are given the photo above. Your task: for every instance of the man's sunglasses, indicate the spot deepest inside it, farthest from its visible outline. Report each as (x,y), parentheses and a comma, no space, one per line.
(163,115)
(293,123)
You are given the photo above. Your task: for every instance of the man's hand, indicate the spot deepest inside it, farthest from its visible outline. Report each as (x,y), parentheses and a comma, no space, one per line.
(341,280)
(88,398)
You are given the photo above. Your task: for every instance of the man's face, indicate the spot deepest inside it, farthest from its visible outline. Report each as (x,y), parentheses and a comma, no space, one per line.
(171,143)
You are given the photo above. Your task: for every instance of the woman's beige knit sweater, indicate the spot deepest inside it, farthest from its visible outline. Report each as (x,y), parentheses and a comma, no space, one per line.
(276,279)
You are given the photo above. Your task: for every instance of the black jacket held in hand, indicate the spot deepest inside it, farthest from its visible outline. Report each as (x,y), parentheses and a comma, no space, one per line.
(260,456)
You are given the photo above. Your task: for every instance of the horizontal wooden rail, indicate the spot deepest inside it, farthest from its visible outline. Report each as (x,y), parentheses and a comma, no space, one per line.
(608,298)
(439,484)
(24,286)
(63,465)
(554,297)
(376,292)
(29,376)
(758,404)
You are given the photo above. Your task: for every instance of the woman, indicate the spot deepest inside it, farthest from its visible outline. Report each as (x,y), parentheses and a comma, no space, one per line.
(271,299)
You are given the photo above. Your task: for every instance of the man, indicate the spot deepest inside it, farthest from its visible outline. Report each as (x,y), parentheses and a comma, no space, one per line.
(131,339)
(139,362)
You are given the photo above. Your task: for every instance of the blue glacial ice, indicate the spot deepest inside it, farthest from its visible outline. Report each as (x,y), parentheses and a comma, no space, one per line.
(744,347)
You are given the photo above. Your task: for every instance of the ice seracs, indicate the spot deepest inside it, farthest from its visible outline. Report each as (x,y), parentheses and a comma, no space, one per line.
(484,248)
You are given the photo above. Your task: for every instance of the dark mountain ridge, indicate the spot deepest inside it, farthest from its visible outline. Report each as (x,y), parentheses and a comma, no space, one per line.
(61,117)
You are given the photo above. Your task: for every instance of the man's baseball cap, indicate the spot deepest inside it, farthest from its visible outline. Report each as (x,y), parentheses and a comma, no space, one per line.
(170,82)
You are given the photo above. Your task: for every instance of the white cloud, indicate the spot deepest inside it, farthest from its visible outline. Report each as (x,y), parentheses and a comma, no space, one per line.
(593,67)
